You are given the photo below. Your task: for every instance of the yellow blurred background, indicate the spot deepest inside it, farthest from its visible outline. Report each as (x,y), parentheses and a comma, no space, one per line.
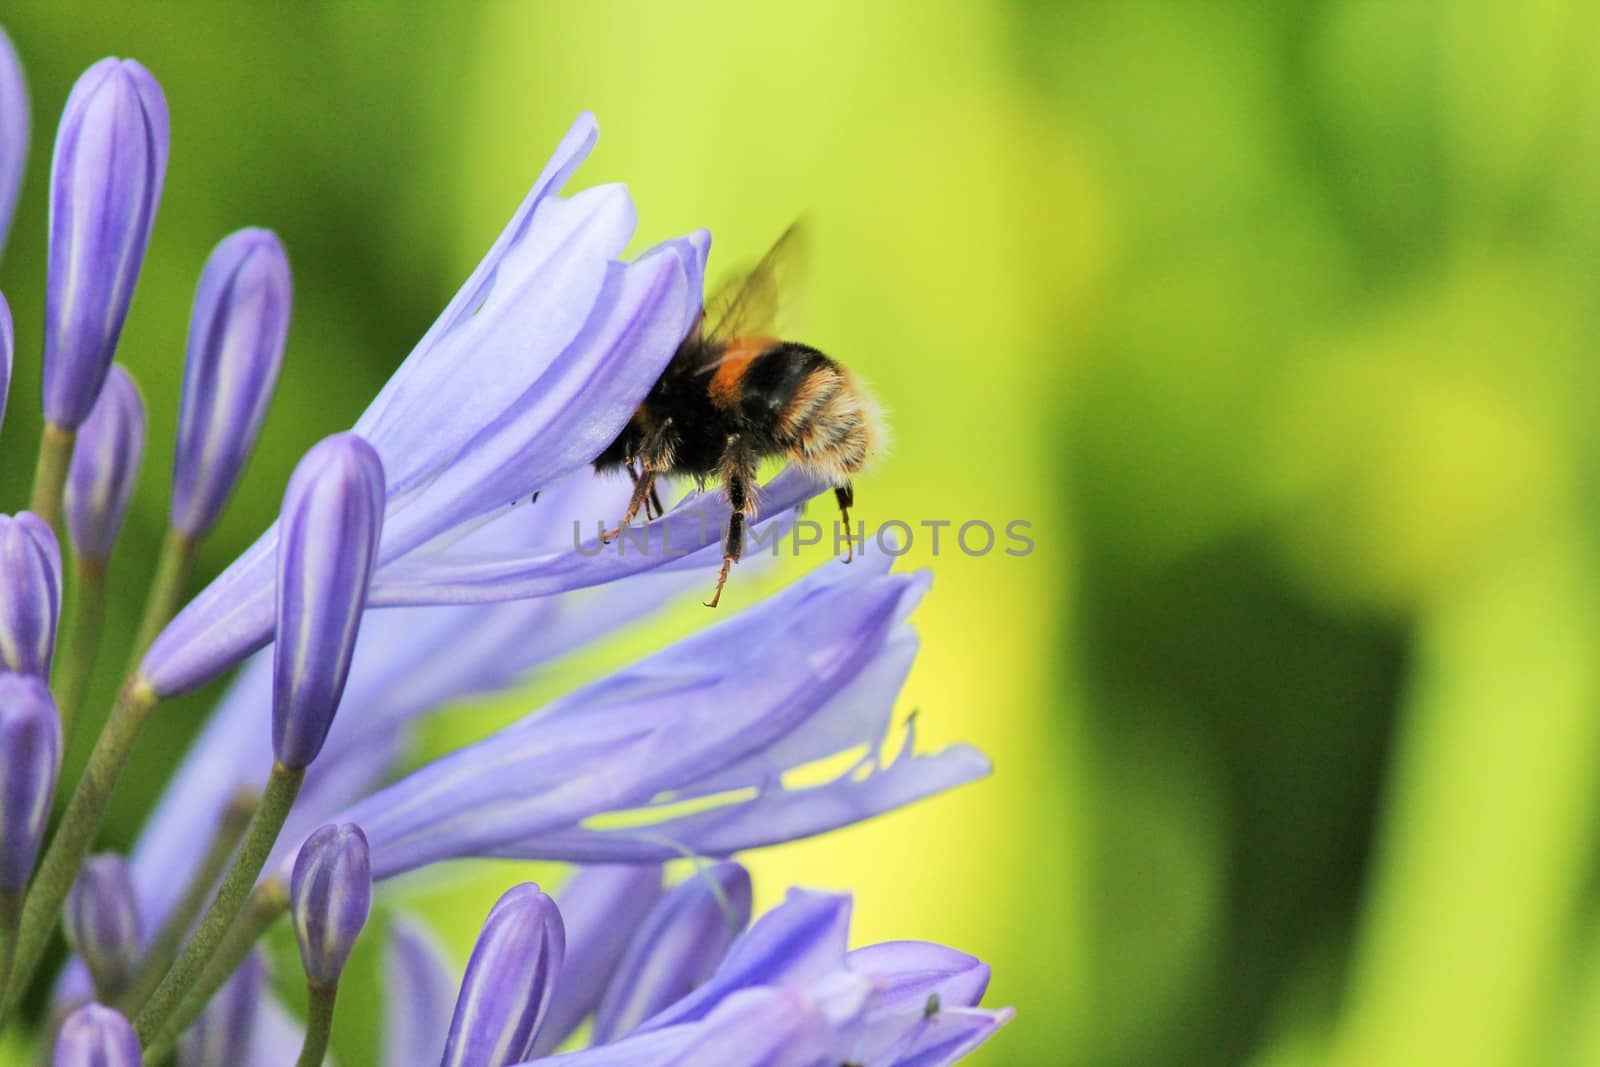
(1277,321)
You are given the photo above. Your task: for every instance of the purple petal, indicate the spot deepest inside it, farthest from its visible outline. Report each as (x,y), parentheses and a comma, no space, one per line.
(800,941)
(601,908)
(101,920)
(677,948)
(30,760)
(236,338)
(330,896)
(105,467)
(421,998)
(510,978)
(105,183)
(30,594)
(332,518)
(96,1036)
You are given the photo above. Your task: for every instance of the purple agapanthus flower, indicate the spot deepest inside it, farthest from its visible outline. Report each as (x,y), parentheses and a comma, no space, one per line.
(411,568)
(788,991)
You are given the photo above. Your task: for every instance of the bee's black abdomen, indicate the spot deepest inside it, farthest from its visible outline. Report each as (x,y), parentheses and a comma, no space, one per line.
(773,379)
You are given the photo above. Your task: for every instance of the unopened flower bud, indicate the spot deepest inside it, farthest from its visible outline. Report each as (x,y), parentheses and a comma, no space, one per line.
(222,1035)
(97,1036)
(30,759)
(330,894)
(105,182)
(30,593)
(105,466)
(236,337)
(102,921)
(327,543)
(13,137)
(509,981)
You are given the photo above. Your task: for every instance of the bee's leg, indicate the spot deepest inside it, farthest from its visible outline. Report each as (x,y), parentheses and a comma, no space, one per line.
(738,471)
(641,491)
(652,503)
(655,455)
(846,496)
(655,499)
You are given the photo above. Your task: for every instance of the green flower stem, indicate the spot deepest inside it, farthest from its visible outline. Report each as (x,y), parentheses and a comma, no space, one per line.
(166,589)
(319,1024)
(10,919)
(282,787)
(55,456)
(269,901)
(85,811)
(164,947)
(76,654)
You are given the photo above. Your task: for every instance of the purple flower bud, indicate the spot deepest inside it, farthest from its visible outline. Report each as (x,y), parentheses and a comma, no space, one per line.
(222,1036)
(330,895)
(105,466)
(30,593)
(8,345)
(328,540)
(97,1036)
(236,335)
(30,759)
(13,136)
(102,921)
(509,981)
(105,182)
(677,948)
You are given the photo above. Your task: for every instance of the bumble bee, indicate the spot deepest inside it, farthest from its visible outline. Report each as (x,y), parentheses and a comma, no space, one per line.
(734,394)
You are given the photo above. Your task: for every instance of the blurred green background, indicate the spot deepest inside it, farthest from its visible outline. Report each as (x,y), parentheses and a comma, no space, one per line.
(1277,320)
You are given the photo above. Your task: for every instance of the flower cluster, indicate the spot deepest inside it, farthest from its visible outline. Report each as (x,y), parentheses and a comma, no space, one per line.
(407,571)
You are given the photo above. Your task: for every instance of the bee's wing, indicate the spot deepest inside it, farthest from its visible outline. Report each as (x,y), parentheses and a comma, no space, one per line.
(763,301)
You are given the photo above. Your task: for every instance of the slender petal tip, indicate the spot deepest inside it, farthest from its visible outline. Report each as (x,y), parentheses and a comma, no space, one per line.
(102,921)
(30,594)
(13,133)
(330,524)
(105,183)
(105,467)
(8,347)
(510,978)
(97,1036)
(30,759)
(236,339)
(330,895)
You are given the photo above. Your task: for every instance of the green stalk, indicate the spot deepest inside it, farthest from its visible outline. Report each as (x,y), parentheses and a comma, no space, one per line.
(269,901)
(75,655)
(166,589)
(319,1024)
(50,475)
(169,939)
(282,788)
(10,919)
(85,812)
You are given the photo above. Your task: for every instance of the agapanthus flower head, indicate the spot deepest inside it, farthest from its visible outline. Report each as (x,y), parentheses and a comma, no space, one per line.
(236,339)
(96,1036)
(677,948)
(13,137)
(30,593)
(510,979)
(101,919)
(225,1031)
(30,759)
(105,183)
(330,895)
(105,467)
(332,517)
